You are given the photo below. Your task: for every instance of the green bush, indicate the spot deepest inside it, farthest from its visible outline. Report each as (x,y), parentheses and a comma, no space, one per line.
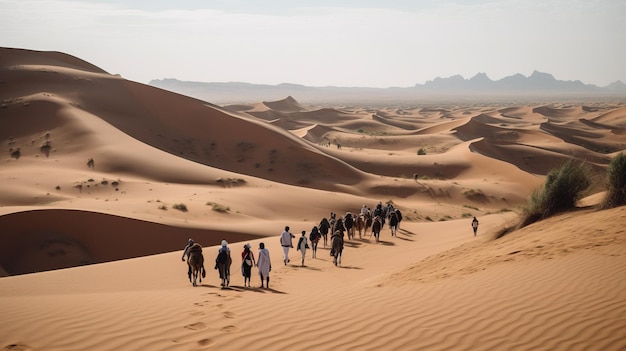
(616,178)
(563,188)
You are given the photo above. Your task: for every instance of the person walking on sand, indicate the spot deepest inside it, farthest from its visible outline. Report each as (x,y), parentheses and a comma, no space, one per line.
(247,258)
(303,244)
(264,264)
(287,243)
(475,225)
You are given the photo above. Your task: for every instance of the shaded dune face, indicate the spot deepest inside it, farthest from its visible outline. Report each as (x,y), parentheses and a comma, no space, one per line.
(41,240)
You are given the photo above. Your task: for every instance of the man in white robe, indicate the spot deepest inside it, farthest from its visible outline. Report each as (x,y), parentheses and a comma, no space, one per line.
(264,264)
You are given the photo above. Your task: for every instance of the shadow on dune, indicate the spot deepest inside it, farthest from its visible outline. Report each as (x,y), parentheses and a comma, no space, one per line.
(405,239)
(309,268)
(42,240)
(386,243)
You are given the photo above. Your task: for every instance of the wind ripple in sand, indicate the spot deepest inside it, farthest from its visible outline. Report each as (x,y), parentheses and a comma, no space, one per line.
(549,304)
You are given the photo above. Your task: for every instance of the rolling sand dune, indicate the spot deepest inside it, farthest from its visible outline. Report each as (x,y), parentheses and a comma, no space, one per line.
(90,253)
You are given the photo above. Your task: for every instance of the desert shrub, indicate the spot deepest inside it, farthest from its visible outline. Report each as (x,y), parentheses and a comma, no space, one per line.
(474,194)
(180,207)
(563,187)
(228,182)
(218,208)
(421,151)
(16,153)
(616,179)
(45,148)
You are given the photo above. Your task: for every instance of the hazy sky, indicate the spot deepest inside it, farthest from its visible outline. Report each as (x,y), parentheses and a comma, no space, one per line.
(372,43)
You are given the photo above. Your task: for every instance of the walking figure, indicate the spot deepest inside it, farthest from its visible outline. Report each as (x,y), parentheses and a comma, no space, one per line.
(475,225)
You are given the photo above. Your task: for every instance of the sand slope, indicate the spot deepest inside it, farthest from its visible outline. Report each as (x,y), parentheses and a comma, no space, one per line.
(91,253)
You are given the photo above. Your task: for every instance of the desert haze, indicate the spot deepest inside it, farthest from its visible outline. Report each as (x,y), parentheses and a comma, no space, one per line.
(104,180)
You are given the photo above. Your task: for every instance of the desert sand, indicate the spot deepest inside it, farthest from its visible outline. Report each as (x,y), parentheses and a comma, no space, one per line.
(90,255)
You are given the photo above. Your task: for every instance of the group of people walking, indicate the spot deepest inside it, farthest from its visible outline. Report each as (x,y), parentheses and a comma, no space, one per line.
(263,262)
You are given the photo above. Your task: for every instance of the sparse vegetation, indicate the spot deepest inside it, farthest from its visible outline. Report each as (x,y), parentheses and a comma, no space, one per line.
(228,182)
(16,153)
(45,148)
(616,179)
(180,207)
(563,187)
(218,208)
(421,151)
(475,194)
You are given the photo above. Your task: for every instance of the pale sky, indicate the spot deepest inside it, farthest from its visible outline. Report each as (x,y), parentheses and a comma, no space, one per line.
(367,43)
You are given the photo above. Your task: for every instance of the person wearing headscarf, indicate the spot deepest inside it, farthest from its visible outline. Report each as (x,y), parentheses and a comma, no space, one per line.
(247,258)
(264,264)
(225,247)
(186,250)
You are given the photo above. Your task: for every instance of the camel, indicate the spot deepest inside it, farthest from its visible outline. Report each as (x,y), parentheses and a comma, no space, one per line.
(359,224)
(348,222)
(195,260)
(376,227)
(324,227)
(393,223)
(337,247)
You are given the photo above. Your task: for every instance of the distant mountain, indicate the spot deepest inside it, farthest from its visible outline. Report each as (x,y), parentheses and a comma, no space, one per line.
(536,82)
(538,86)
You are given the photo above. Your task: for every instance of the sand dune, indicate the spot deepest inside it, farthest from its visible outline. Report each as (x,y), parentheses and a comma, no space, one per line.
(91,253)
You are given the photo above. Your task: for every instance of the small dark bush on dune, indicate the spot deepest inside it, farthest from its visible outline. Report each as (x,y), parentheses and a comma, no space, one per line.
(180,207)
(563,188)
(616,179)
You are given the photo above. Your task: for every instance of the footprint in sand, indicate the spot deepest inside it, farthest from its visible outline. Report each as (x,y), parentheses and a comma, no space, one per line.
(229,315)
(206,342)
(230,329)
(196,326)
(17,347)
(196,313)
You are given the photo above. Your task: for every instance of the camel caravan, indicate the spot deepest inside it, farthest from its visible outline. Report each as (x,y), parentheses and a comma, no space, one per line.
(349,224)
(337,227)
